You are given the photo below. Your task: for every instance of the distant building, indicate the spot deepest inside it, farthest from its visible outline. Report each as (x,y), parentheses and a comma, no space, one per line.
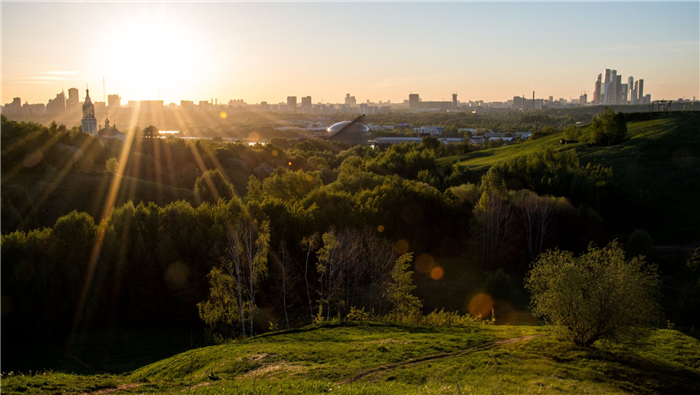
(349,132)
(413,101)
(151,105)
(306,102)
(114,101)
(73,102)
(350,100)
(14,108)
(431,131)
(111,132)
(291,103)
(57,105)
(89,122)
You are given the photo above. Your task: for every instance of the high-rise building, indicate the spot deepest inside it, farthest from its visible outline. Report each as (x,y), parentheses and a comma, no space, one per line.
(363,108)
(640,92)
(89,122)
(73,101)
(14,108)
(57,105)
(114,101)
(306,102)
(454,101)
(583,99)
(291,103)
(413,100)
(350,100)
(630,90)
(596,90)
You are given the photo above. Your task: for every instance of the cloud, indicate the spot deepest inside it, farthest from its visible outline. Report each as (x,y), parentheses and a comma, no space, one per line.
(47,77)
(61,72)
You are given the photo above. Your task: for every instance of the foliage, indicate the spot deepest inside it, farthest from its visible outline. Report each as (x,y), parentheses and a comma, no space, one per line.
(597,295)
(212,186)
(571,133)
(608,128)
(112,165)
(405,306)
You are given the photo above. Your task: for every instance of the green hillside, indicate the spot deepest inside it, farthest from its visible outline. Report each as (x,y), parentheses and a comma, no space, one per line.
(366,358)
(660,158)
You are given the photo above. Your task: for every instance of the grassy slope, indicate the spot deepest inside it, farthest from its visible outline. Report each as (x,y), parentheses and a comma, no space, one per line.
(315,359)
(661,155)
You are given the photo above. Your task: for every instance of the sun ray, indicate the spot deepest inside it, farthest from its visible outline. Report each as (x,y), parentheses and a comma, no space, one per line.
(8,176)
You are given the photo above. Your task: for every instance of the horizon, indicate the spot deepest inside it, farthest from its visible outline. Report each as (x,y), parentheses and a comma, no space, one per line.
(266,52)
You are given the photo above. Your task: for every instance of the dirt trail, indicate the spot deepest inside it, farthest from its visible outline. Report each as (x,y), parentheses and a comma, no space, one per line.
(432,357)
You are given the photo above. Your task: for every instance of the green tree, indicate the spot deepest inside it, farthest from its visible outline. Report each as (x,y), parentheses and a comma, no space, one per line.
(151,132)
(597,295)
(608,128)
(406,306)
(212,186)
(571,133)
(112,165)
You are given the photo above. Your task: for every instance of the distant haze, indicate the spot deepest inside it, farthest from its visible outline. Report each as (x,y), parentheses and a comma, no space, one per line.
(267,51)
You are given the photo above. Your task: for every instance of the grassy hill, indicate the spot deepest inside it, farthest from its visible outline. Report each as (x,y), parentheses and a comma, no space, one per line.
(368,358)
(659,158)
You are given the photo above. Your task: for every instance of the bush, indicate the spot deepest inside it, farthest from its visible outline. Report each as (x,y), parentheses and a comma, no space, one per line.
(608,128)
(597,295)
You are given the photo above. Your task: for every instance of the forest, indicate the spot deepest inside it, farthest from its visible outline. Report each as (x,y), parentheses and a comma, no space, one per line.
(153,232)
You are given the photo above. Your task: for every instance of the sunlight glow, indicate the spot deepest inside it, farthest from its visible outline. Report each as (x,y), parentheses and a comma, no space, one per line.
(149,52)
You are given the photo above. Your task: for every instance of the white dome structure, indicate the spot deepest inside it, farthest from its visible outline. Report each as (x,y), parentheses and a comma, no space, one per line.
(350,132)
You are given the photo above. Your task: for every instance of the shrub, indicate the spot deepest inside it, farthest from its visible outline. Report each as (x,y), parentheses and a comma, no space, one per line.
(498,284)
(608,128)
(597,295)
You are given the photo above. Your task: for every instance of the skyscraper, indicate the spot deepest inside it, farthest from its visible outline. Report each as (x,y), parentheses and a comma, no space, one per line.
(114,101)
(630,86)
(291,103)
(454,101)
(57,105)
(350,100)
(596,90)
(640,92)
(306,102)
(413,100)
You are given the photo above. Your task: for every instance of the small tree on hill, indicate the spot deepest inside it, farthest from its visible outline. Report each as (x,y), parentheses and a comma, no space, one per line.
(406,306)
(597,295)
(608,128)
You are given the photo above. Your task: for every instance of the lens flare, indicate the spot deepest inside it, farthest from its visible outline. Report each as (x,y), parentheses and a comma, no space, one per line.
(380,228)
(254,136)
(424,263)
(401,247)
(223,115)
(481,304)
(437,273)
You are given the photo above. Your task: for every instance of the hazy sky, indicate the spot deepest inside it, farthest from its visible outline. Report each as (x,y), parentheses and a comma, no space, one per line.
(268,51)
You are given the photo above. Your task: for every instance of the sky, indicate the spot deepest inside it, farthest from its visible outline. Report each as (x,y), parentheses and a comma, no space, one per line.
(377,51)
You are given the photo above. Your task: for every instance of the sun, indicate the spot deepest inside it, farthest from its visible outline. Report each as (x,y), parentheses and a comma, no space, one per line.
(149,53)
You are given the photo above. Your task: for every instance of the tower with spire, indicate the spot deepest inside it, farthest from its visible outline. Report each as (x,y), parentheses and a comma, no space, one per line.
(89,122)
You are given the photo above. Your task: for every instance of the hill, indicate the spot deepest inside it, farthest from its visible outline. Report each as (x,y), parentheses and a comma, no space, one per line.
(659,161)
(363,358)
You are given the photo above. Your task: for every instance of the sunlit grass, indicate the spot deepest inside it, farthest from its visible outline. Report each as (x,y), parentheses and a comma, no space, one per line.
(316,359)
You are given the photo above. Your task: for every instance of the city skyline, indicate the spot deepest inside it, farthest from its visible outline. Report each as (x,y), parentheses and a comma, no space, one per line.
(265,52)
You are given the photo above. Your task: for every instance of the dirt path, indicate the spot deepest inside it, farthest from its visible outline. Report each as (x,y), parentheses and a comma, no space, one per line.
(432,357)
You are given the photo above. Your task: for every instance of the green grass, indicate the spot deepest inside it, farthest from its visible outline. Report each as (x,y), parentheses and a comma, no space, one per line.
(659,158)
(316,359)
